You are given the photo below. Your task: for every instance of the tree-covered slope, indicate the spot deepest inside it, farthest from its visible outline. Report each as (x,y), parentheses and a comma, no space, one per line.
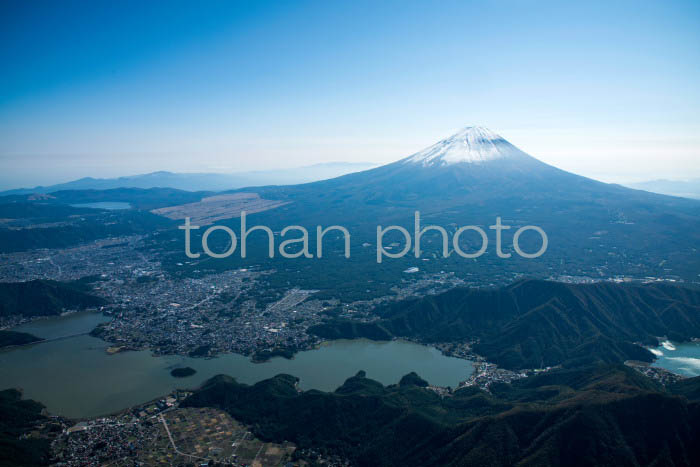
(17,416)
(534,323)
(43,298)
(8,338)
(593,415)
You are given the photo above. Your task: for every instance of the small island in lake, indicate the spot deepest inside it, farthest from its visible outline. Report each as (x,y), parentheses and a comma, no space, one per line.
(182,372)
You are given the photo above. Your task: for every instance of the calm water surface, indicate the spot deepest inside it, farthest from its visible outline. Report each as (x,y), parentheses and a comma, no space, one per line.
(681,358)
(110,205)
(75,377)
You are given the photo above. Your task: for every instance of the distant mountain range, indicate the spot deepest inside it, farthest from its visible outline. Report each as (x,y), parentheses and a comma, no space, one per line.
(204,181)
(683,188)
(595,229)
(474,167)
(476,175)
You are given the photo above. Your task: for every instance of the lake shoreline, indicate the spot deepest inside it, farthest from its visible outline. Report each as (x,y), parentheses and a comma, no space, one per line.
(76,378)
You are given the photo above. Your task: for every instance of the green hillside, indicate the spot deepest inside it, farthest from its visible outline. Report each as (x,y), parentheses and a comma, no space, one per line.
(534,324)
(18,416)
(611,413)
(8,338)
(43,298)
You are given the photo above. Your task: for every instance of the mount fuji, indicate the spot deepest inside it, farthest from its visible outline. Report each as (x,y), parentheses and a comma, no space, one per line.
(469,167)
(470,178)
(471,145)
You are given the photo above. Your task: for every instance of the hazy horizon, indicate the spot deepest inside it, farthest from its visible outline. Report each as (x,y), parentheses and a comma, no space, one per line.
(108,90)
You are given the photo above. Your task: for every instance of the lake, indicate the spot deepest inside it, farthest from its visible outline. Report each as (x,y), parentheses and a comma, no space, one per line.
(680,358)
(75,377)
(109,205)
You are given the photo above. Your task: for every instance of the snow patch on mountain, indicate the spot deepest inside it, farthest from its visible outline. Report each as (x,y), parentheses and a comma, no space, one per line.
(473,144)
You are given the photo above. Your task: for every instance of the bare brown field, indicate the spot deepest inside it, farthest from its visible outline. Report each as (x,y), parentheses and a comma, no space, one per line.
(214,208)
(198,435)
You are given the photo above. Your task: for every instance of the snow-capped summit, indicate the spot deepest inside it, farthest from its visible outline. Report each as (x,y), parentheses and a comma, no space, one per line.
(473,144)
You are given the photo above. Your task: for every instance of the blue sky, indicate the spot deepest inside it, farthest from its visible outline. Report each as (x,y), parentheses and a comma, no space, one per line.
(606,89)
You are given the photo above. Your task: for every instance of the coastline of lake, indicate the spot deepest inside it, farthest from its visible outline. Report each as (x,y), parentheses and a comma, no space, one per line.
(682,358)
(108,205)
(77,378)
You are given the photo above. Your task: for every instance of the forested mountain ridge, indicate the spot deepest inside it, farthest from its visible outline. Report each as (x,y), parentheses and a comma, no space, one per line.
(11,338)
(44,298)
(17,417)
(535,323)
(591,415)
